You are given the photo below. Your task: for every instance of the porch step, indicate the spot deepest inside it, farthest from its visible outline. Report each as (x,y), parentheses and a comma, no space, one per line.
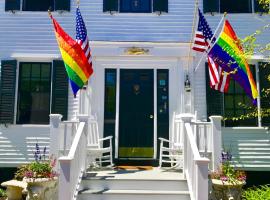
(133,195)
(152,184)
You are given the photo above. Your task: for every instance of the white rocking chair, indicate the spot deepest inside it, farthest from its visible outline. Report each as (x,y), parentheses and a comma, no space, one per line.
(95,149)
(172,152)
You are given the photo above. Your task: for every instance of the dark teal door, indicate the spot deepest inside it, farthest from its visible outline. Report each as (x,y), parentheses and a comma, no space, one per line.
(136,113)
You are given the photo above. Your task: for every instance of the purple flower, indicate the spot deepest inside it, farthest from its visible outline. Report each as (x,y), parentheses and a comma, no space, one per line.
(226,156)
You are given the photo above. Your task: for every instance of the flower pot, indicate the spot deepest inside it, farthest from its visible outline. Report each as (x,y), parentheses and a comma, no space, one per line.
(14,189)
(227,190)
(41,188)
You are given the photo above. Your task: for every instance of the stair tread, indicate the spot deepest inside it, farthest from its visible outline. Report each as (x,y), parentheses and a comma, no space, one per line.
(108,191)
(155,174)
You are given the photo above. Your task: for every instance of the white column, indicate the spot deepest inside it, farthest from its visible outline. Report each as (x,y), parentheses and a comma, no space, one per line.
(216,141)
(259,95)
(55,120)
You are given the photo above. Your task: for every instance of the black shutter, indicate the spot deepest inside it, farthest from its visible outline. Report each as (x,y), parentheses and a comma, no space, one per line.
(210,6)
(60,89)
(62,5)
(7,91)
(258,8)
(214,98)
(110,5)
(12,5)
(160,6)
(264,72)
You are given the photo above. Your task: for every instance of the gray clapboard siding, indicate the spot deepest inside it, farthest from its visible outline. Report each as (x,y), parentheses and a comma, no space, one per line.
(250,147)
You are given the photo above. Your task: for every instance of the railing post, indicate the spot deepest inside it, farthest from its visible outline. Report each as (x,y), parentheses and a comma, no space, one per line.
(55,120)
(85,118)
(216,140)
(65,180)
(186,118)
(202,179)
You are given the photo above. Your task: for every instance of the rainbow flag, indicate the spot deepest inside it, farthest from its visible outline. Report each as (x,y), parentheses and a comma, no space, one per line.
(76,63)
(228,53)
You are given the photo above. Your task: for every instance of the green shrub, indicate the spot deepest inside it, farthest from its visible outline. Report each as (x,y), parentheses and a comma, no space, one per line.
(2,193)
(257,193)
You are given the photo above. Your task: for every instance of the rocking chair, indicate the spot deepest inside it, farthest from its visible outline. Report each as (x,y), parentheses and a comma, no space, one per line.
(171,151)
(95,148)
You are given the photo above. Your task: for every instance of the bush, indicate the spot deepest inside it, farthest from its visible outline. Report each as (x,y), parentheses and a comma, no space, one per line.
(257,193)
(2,193)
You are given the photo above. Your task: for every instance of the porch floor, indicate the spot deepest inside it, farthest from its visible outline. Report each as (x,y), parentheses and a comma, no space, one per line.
(133,174)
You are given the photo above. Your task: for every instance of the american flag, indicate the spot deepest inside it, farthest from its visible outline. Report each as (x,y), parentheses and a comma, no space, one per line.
(81,36)
(202,43)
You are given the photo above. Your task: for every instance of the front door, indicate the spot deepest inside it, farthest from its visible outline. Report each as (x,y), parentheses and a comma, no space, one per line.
(136,113)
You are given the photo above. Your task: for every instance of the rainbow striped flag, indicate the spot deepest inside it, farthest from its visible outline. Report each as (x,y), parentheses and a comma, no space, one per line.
(77,66)
(229,54)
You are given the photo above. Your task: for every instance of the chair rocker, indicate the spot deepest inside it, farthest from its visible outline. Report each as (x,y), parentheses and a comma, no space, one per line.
(96,152)
(171,151)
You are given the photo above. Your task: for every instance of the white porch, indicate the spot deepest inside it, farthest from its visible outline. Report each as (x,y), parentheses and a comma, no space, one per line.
(200,139)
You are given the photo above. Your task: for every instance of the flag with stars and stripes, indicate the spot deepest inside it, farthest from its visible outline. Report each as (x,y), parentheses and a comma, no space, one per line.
(202,42)
(81,36)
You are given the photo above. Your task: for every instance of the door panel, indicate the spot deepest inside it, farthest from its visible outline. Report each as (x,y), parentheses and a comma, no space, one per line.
(136,109)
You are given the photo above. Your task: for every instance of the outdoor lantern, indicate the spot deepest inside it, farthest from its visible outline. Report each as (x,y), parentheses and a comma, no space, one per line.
(187,84)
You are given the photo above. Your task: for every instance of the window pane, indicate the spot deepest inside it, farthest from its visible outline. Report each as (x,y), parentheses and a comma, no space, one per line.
(235,6)
(136,6)
(26,70)
(38,5)
(34,94)
(229,103)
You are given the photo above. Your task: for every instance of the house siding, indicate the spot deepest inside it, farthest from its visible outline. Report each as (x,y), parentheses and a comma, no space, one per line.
(250,147)
(31,34)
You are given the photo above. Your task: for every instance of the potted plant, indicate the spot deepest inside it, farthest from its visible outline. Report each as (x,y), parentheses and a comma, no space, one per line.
(3,194)
(40,176)
(227,182)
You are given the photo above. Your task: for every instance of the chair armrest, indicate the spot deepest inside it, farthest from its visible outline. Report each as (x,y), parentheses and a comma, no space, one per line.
(165,140)
(106,138)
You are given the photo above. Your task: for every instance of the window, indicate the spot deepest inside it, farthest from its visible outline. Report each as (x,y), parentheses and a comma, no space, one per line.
(232,107)
(35,99)
(135,6)
(227,104)
(110,102)
(37,5)
(233,6)
(34,5)
(34,90)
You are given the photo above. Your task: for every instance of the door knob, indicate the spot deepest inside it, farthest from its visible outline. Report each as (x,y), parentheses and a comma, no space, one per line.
(151,116)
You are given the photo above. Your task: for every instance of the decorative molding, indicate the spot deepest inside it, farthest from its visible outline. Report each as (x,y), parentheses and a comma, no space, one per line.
(136,51)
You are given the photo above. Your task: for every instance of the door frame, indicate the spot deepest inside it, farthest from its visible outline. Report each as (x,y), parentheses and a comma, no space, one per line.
(118,106)
(176,70)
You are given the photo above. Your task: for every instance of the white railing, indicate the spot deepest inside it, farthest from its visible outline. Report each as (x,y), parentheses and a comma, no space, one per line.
(67,133)
(73,164)
(200,139)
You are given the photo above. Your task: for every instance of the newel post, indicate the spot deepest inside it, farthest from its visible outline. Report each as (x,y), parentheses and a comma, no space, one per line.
(186,118)
(216,141)
(55,120)
(85,118)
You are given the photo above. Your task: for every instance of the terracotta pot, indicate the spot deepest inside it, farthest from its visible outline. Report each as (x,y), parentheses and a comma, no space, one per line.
(224,190)
(41,188)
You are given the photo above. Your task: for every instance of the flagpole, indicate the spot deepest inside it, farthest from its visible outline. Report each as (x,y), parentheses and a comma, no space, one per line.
(193,30)
(205,52)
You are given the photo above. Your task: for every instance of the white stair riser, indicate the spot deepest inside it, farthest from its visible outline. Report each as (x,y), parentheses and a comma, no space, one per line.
(133,197)
(157,185)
